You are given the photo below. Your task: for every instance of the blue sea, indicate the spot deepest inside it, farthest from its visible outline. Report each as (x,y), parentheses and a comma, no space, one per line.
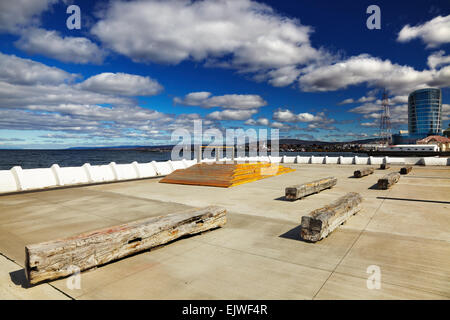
(29,159)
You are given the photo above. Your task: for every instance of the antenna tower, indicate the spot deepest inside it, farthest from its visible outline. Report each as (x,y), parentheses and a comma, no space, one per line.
(385,125)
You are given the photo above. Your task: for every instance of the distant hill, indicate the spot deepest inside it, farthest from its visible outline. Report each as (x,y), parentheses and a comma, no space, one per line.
(126,147)
(295,142)
(316,142)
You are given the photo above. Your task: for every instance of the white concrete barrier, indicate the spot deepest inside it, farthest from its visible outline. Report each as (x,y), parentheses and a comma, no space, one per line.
(164,168)
(317,160)
(73,175)
(18,179)
(190,163)
(264,159)
(299,159)
(57,174)
(178,165)
(432,161)
(147,170)
(17,173)
(287,159)
(101,173)
(375,160)
(331,160)
(38,178)
(275,159)
(345,160)
(361,160)
(7,182)
(396,160)
(126,171)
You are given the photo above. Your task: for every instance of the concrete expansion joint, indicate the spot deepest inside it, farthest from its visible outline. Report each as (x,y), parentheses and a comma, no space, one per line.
(351,246)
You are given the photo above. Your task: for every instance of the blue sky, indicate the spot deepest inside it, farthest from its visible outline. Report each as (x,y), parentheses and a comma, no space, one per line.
(138,70)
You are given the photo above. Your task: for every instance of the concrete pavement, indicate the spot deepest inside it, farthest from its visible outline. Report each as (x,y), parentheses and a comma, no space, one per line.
(405,231)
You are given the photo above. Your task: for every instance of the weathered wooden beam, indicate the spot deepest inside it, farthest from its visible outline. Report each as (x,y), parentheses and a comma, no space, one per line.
(363,172)
(320,222)
(388,180)
(406,170)
(302,190)
(59,258)
(385,166)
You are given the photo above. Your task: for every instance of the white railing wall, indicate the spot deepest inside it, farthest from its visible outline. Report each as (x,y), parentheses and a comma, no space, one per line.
(17,179)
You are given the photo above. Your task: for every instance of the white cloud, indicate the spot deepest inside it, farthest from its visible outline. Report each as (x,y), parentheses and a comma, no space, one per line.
(228,101)
(286,115)
(397,99)
(121,84)
(369,124)
(91,120)
(280,125)
(260,122)
(364,69)
(250,36)
(66,49)
(283,76)
(445,112)
(16,70)
(399,113)
(19,96)
(442,78)
(34,96)
(360,100)
(434,32)
(229,114)
(347,101)
(16,14)
(366,108)
(438,59)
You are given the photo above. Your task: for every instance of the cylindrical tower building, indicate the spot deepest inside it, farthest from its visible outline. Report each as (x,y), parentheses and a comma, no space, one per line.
(425,112)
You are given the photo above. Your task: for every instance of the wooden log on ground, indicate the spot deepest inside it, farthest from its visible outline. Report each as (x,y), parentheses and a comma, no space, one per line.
(63,257)
(388,180)
(320,222)
(406,170)
(363,172)
(385,166)
(302,190)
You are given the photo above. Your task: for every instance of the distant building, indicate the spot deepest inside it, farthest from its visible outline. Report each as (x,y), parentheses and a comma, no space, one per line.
(442,142)
(413,147)
(404,139)
(447,132)
(424,116)
(425,112)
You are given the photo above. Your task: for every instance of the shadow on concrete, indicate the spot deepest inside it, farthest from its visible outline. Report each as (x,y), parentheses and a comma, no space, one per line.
(375,187)
(19,278)
(416,200)
(293,234)
(283,198)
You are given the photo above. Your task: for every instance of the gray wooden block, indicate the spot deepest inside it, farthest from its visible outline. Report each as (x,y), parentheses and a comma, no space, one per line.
(63,257)
(363,172)
(406,170)
(320,222)
(385,166)
(302,190)
(388,180)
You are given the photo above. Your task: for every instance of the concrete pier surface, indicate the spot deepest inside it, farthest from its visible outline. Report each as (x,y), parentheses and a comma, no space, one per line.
(404,232)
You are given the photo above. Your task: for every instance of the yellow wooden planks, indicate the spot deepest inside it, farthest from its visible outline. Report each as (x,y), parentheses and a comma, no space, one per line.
(225,174)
